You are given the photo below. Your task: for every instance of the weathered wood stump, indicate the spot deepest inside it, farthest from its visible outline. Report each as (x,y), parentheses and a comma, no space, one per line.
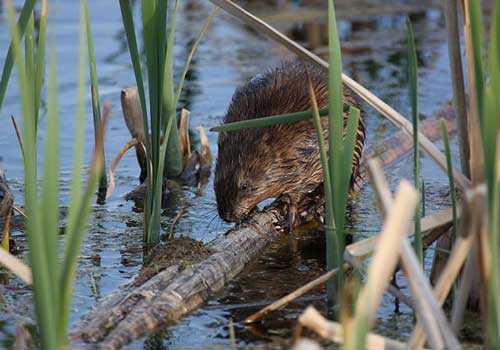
(134,312)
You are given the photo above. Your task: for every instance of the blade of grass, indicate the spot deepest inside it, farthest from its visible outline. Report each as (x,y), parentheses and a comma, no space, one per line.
(76,199)
(96,105)
(174,157)
(336,148)
(43,289)
(40,57)
(9,59)
(128,23)
(453,193)
(413,90)
(49,204)
(263,122)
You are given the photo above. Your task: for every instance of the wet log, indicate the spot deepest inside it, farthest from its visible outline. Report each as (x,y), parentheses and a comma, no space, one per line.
(134,312)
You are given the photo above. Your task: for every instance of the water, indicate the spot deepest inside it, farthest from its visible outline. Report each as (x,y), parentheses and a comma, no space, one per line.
(374,54)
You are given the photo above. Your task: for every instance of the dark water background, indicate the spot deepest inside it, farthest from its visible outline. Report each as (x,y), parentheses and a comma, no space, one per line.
(374,54)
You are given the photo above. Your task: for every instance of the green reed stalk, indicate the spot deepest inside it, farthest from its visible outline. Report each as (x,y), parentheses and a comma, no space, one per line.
(22,22)
(449,168)
(488,107)
(413,80)
(341,153)
(160,122)
(52,283)
(96,105)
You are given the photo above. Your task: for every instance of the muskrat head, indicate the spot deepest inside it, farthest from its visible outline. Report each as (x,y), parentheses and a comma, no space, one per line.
(242,181)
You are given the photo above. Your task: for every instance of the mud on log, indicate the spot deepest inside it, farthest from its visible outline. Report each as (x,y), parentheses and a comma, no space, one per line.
(134,312)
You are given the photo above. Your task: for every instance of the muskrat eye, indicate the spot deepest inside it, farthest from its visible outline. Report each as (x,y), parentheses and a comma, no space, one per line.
(243,186)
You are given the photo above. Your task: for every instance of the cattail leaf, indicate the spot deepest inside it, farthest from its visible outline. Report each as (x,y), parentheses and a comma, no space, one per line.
(22,22)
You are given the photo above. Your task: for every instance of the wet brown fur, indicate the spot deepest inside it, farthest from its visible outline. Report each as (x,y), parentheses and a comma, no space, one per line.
(281,161)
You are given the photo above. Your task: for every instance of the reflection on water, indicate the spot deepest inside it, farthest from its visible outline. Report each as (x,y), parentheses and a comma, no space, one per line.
(230,53)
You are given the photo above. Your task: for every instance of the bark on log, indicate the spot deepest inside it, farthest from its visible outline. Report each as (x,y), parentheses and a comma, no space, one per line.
(134,312)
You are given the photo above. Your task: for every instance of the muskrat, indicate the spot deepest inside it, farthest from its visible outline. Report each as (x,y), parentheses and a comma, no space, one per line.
(280,161)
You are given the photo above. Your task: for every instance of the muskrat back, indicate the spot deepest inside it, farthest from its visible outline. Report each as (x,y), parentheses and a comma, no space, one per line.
(281,161)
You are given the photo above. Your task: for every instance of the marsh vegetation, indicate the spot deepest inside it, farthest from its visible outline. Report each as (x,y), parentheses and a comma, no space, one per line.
(409,256)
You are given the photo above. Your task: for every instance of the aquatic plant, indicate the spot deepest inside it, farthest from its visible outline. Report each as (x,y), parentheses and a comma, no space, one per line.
(52,281)
(413,94)
(163,153)
(485,106)
(96,104)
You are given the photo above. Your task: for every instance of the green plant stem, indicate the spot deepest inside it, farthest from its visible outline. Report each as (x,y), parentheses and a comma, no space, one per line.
(413,80)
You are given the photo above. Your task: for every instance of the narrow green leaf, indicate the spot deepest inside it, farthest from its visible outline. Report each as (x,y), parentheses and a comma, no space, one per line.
(9,59)
(269,121)
(451,182)
(40,57)
(49,204)
(94,87)
(413,91)
(43,290)
(174,157)
(76,199)
(128,23)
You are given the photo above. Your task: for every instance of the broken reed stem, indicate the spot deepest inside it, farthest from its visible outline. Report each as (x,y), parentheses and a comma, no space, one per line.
(384,262)
(383,108)
(17,266)
(278,304)
(334,331)
(111,172)
(444,284)
(457,81)
(428,309)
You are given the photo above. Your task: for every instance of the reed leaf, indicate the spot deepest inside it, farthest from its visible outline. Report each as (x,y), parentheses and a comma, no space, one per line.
(22,22)
(413,93)
(40,57)
(94,87)
(453,193)
(43,288)
(269,121)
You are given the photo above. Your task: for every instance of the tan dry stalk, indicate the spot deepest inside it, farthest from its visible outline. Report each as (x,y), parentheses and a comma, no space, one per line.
(334,331)
(184,136)
(278,304)
(385,259)
(383,108)
(428,309)
(111,172)
(443,286)
(15,265)
(458,84)
(432,225)
(475,146)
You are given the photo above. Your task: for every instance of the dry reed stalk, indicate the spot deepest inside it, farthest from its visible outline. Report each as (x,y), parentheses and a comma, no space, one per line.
(184,136)
(383,108)
(15,265)
(444,284)
(427,308)
(475,147)
(385,260)
(278,304)
(432,227)
(111,172)
(334,331)
(457,80)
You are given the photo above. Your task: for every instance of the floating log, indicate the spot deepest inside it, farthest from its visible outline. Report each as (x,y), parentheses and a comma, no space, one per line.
(135,311)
